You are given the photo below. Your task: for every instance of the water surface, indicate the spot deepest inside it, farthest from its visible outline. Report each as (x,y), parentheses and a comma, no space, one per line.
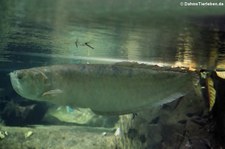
(35,33)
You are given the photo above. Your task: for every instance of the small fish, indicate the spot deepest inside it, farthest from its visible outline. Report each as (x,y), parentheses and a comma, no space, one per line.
(86,43)
(112,89)
(76,43)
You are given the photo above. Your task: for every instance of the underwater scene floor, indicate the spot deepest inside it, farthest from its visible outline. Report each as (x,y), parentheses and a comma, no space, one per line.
(182,124)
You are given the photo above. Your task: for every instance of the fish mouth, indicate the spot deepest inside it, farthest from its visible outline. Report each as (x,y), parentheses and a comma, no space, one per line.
(15,81)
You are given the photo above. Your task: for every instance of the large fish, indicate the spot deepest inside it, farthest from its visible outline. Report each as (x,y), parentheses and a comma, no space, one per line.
(107,89)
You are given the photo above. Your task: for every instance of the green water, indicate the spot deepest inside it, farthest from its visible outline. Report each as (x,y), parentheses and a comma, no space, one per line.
(35,33)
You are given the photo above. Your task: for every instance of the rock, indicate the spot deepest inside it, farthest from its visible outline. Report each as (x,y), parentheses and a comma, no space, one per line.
(16,114)
(104,134)
(117,132)
(2,135)
(28,134)
(80,116)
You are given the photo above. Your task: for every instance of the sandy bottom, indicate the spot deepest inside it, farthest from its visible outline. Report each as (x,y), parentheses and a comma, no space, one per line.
(56,137)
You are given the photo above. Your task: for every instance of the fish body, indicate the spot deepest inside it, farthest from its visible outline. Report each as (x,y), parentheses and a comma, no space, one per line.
(106,89)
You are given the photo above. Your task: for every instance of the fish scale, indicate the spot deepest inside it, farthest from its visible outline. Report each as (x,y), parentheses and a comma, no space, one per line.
(106,89)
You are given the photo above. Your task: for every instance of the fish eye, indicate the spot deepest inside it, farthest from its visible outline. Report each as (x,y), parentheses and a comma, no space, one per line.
(19,76)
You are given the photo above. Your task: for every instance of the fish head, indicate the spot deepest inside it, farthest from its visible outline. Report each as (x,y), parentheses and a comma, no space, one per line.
(29,83)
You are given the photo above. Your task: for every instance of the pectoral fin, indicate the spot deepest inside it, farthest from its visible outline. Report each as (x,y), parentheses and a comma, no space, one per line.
(54,92)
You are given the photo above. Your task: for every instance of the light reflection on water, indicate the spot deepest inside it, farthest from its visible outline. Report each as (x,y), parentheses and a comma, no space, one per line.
(75,32)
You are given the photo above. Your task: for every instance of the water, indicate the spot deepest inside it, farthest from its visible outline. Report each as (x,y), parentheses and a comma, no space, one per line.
(41,33)
(37,33)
